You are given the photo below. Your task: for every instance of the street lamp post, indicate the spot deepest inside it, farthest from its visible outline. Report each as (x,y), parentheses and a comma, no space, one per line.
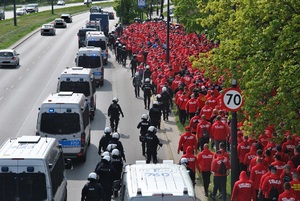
(168,33)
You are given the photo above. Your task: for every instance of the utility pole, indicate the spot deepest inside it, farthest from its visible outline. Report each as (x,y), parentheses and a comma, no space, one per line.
(168,33)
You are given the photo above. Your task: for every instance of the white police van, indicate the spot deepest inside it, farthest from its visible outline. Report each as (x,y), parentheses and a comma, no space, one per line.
(65,116)
(79,80)
(91,57)
(153,182)
(32,168)
(98,39)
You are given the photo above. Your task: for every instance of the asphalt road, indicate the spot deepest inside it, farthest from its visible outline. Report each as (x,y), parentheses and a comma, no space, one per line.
(42,59)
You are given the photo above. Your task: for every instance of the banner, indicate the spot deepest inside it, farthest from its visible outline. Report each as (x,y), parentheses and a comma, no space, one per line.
(141,3)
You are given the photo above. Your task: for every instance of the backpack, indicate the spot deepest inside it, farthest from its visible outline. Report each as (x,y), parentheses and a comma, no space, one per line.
(222,168)
(274,194)
(204,132)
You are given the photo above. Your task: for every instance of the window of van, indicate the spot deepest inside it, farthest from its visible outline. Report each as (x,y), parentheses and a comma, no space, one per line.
(57,173)
(76,87)
(23,186)
(60,123)
(86,117)
(89,61)
(97,43)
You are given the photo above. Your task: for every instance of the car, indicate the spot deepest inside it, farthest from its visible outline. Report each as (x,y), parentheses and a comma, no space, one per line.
(95,9)
(32,8)
(111,15)
(61,3)
(59,23)
(2,14)
(48,29)
(9,57)
(67,17)
(21,11)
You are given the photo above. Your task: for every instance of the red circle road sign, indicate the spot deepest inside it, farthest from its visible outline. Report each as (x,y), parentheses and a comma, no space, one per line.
(232,99)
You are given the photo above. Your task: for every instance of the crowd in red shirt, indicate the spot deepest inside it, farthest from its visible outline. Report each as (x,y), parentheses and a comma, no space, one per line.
(196,95)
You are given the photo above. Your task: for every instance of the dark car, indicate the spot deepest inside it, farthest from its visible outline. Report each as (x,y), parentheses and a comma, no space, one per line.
(2,14)
(82,34)
(111,15)
(67,18)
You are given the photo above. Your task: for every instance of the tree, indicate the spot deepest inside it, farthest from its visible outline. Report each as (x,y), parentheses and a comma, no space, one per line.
(128,11)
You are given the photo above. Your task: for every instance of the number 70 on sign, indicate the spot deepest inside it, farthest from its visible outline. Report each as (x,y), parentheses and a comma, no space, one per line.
(232,99)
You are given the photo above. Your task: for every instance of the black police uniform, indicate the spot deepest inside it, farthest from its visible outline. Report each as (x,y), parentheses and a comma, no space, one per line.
(166,103)
(155,116)
(147,74)
(93,191)
(134,63)
(114,112)
(105,139)
(143,126)
(137,82)
(152,142)
(118,146)
(148,90)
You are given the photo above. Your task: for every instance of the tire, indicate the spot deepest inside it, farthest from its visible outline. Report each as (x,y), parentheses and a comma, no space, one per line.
(101,83)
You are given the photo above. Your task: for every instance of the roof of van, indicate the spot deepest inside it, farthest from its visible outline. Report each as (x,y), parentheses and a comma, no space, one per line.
(165,178)
(27,147)
(89,49)
(65,97)
(77,71)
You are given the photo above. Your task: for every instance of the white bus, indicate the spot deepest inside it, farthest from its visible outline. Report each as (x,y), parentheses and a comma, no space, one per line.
(65,116)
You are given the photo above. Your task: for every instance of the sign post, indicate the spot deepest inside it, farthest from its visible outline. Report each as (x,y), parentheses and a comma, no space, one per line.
(233,101)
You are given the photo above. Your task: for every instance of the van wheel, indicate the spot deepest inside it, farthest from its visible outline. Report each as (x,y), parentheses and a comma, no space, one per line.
(83,158)
(101,83)
(66,197)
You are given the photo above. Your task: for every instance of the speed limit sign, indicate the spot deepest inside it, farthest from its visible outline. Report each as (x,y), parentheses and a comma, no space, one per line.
(232,99)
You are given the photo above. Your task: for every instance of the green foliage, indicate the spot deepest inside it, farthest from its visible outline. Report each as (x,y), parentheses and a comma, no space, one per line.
(260,48)
(127,10)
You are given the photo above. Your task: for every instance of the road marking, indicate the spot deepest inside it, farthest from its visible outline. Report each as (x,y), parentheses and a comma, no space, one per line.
(20,77)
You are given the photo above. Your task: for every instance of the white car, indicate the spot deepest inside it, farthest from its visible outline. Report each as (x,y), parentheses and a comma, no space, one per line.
(61,3)
(21,11)
(9,57)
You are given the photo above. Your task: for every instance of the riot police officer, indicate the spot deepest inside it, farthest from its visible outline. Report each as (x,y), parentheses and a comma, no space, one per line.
(105,139)
(155,115)
(143,126)
(92,191)
(152,142)
(133,65)
(137,82)
(148,88)
(117,163)
(116,144)
(114,112)
(166,103)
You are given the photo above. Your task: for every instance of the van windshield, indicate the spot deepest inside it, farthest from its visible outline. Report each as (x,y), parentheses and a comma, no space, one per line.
(60,123)
(97,43)
(89,61)
(76,87)
(23,186)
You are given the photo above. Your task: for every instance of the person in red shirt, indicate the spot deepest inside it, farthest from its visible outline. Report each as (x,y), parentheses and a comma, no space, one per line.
(201,100)
(270,181)
(261,193)
(268,157)
(286,175)
(205,159)
(192,106)
(187,139)
(203,132)
(288,146)
(193,161)
(283,155)
(220,179)
(243,189)
(207,111)
(181,102)
(259,154)
(295,184)
(279,164)
(242,149)
(288,194)
(296,158)
(256,173)
(264,138)
(194,122)
(220,132)
(248,157)
(212,100)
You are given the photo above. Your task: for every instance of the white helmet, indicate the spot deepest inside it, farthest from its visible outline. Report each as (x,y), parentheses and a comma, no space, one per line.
(152,129)
(107,130)
(107,158)
(137,73)
(92,175)
(106,153)
(147,80)
(164,89)
(111,147)
(144,116)
(115,100)
(147,67)
(155,102)
(184,161)
(158,96)
(116,135)
(115,152)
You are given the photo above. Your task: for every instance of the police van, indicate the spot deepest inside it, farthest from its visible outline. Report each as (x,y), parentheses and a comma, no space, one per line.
(79,80)
(98,39)
(154,182)
(32,168)
(65,116)
(91,57)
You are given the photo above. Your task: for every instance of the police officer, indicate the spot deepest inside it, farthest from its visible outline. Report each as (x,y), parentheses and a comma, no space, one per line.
(119,53)
(148,89)
(133,65)
(117,163)
(107,174)
(124,55)
(137,82)
(114,112)
(166,100)
(155,115)
(152,142)
(147,72)
(105,139)
(115,143)
(92,191)
(143,126)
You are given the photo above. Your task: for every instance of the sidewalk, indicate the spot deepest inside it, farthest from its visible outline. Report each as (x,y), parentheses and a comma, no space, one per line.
(172,134)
